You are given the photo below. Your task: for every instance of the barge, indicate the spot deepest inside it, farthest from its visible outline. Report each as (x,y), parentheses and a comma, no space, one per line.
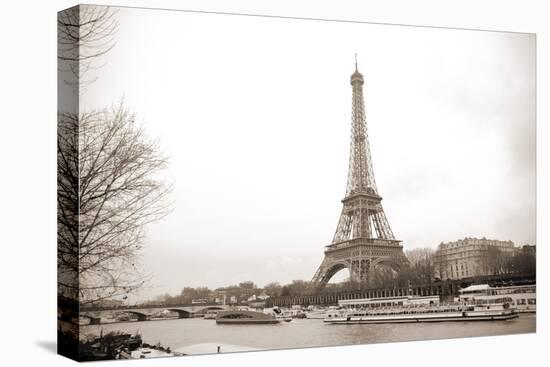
(245,317)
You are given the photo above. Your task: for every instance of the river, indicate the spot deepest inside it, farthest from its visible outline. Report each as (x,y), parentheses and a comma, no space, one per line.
(300,333)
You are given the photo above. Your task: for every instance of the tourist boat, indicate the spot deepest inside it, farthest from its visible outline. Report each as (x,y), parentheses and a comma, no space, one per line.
(245,317)
(319,313)
(279,314)
(522,297)
(298,314)
(434,313)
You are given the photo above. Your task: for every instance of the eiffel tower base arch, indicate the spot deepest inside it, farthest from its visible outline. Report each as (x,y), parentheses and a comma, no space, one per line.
(361,262)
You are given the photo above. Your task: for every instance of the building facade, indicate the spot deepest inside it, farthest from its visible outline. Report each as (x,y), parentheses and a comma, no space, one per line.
(472,257)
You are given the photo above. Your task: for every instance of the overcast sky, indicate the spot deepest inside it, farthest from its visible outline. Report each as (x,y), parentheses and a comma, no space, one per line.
(255,114)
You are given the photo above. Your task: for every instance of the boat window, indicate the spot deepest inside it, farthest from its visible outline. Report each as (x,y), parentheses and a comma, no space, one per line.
(236,316)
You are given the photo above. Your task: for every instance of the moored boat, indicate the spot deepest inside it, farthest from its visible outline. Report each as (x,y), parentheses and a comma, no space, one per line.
(211,315)
(318,312)
(437,313)
(522,297)
(281,315)
(245,317)
(145,352)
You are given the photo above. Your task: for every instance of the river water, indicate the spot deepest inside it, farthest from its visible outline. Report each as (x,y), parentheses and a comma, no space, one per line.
(299,333)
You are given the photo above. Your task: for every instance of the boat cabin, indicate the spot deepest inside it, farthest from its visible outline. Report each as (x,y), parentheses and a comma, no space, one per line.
(402,301)
(523,297)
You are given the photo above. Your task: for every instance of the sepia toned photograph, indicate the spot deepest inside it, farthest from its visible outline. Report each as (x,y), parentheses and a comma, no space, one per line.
(232,183)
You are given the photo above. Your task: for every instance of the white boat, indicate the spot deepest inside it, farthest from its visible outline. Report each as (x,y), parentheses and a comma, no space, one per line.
(281,315)
(438,313)
(141,353)
(319,313)
(211,315)
(522,297)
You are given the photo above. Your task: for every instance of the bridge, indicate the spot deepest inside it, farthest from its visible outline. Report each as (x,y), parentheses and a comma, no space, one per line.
(445,289)
(96,314)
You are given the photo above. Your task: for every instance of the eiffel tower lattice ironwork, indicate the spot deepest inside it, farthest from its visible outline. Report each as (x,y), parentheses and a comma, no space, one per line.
(363,240)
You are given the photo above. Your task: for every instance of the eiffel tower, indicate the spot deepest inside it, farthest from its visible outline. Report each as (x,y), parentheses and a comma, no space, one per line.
(363,240)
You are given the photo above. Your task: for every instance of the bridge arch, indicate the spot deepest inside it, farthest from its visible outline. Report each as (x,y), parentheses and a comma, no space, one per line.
(213,308)
(182,314)
(370,269)
(209,308)
(93,320)
(140,315)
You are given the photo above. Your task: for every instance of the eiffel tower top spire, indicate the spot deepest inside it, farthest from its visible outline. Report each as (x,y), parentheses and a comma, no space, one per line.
(360,173)
(362,215)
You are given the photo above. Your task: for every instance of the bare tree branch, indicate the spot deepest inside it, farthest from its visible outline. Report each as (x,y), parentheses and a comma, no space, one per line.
(85,33)
(109,189)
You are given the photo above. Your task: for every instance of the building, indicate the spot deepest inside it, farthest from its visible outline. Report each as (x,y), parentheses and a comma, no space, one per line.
(472,257)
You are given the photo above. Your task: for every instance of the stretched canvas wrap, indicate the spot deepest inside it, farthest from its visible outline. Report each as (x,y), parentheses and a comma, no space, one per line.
(237,183)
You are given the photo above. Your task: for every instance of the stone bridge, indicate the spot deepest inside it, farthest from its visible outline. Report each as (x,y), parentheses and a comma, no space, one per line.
(145,313)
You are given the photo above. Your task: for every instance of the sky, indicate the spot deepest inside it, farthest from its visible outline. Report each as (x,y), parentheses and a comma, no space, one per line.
(254,114)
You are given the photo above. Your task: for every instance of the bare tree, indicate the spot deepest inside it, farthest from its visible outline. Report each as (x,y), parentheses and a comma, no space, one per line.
(420,256)
(109,171)
(494,261)
(273,289)
(85,33)
(300,287)
(524,261)
(383,277)
(422,266)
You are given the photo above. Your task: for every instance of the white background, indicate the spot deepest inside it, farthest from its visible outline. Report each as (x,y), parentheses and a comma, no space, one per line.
(27,154)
